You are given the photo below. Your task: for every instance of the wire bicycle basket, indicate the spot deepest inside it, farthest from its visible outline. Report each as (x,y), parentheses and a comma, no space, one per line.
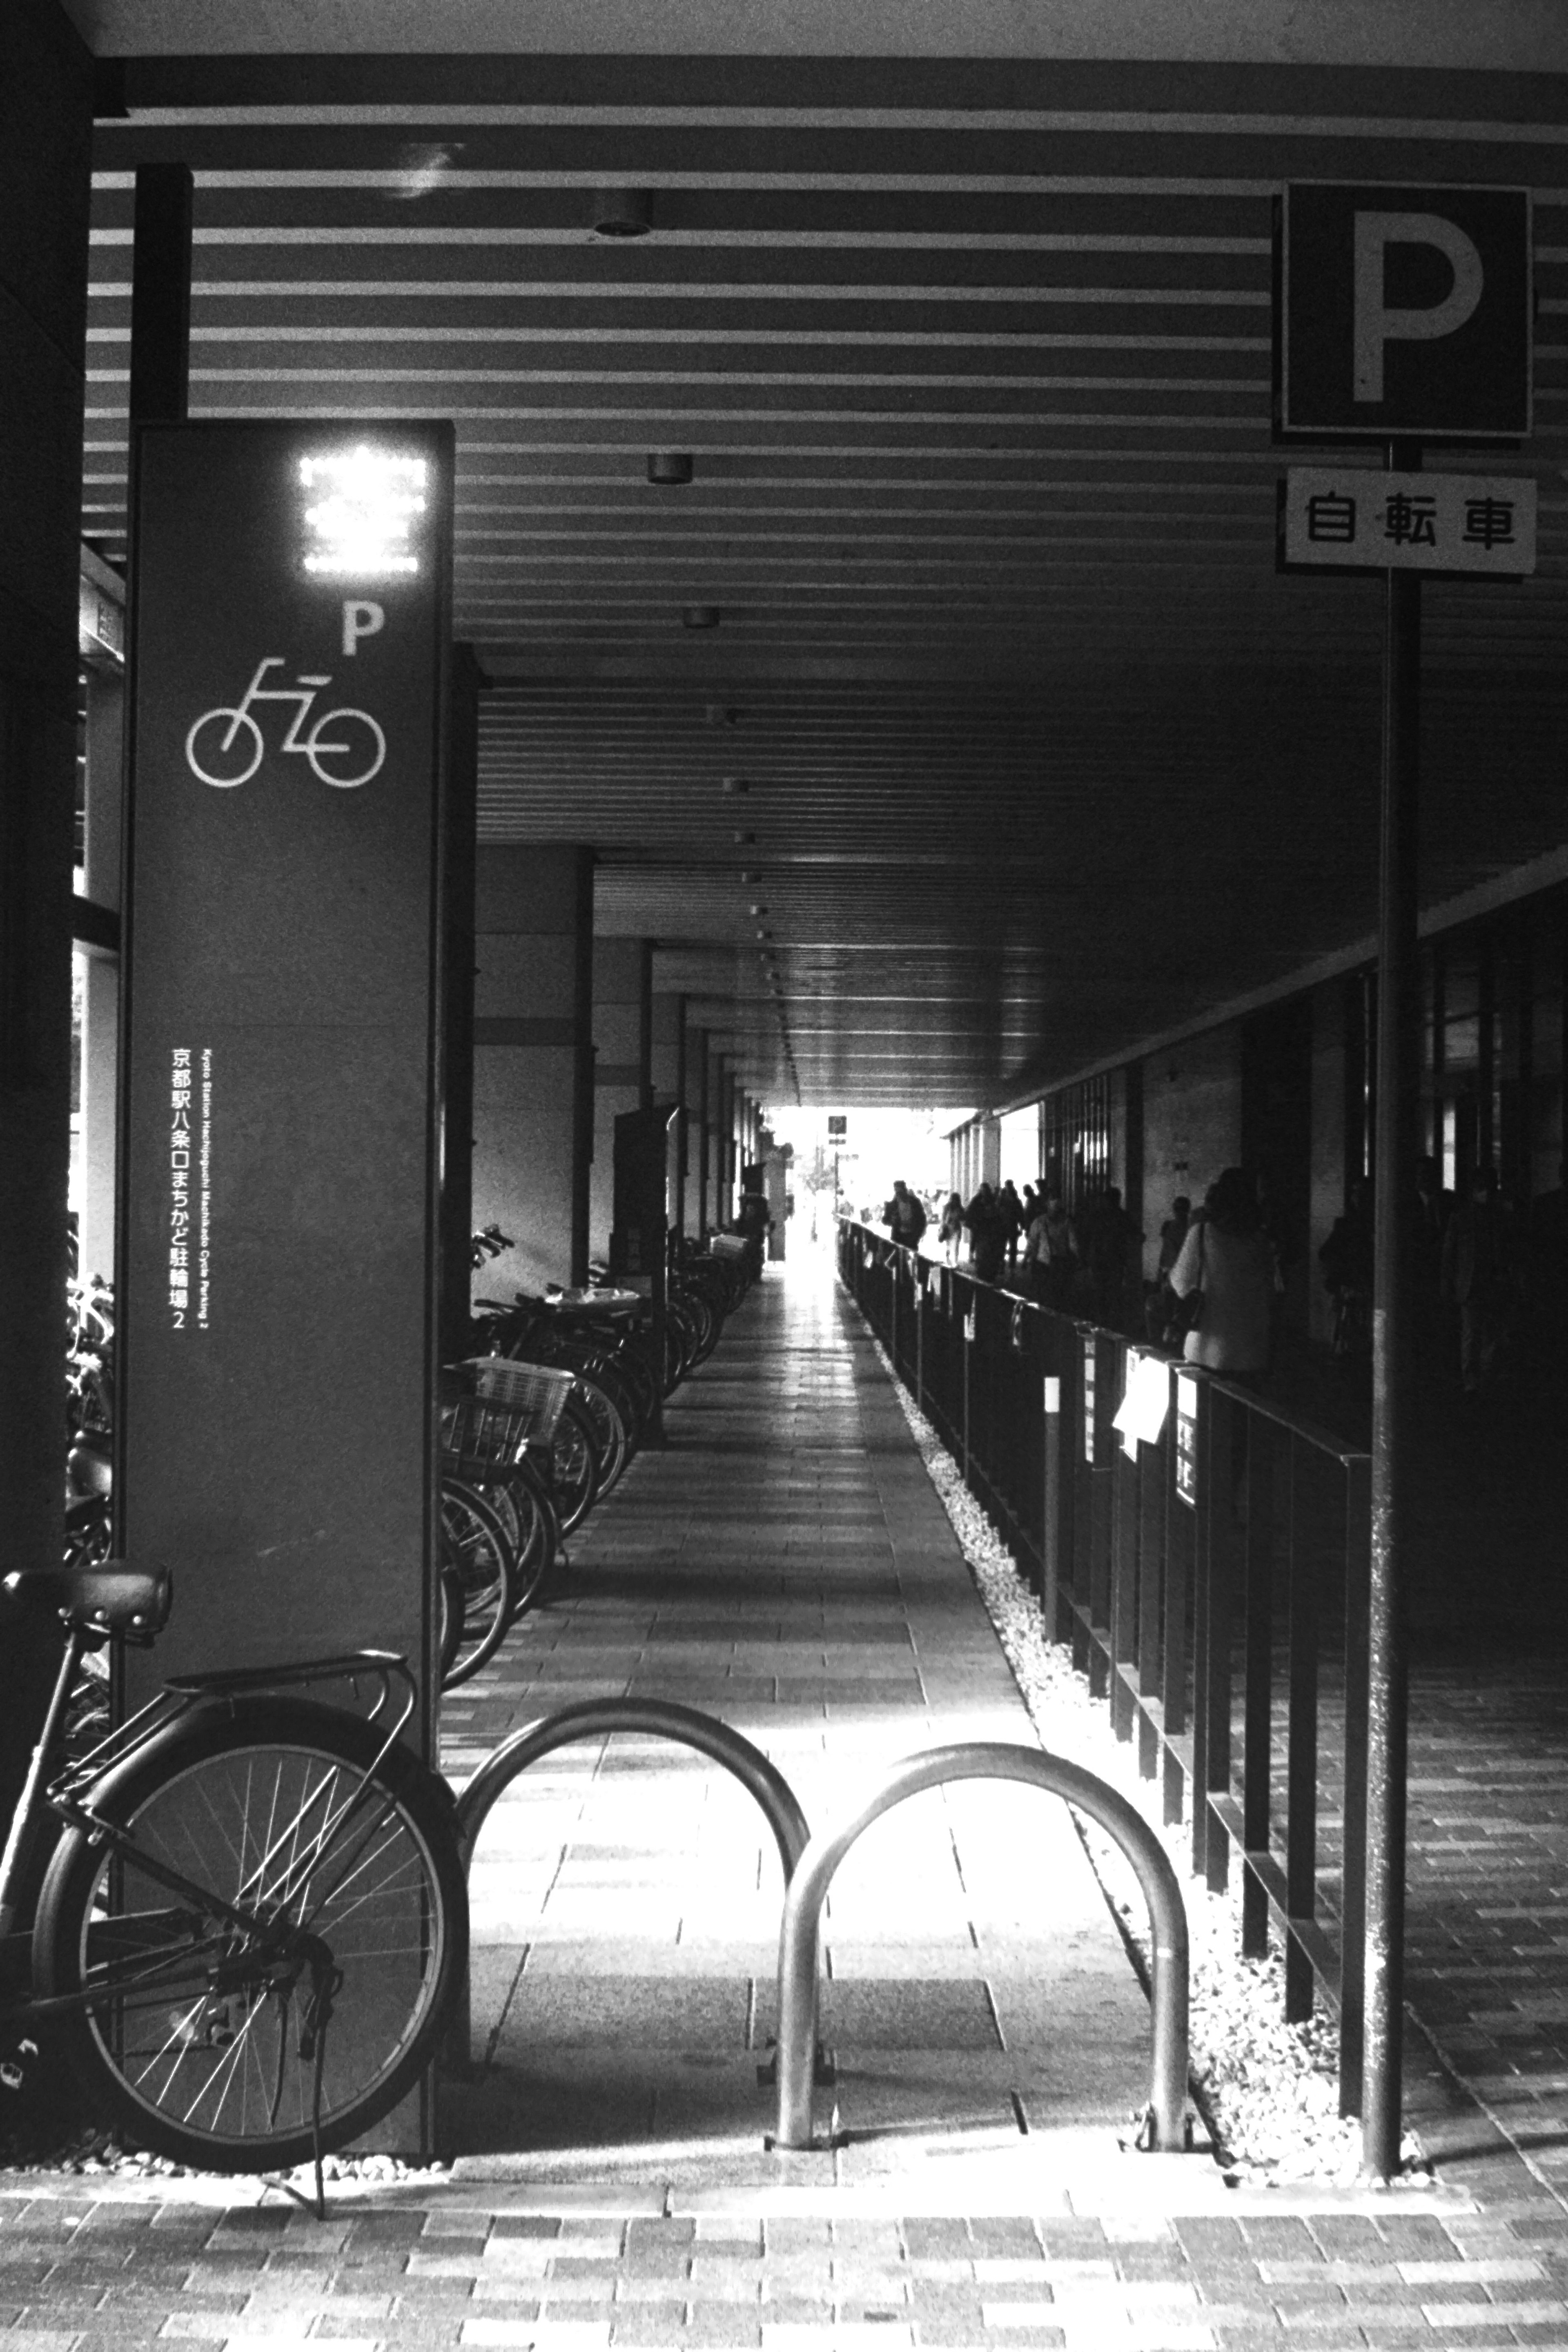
(514,1405)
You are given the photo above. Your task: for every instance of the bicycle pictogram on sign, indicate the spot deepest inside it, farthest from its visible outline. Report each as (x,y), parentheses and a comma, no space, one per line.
(225,747)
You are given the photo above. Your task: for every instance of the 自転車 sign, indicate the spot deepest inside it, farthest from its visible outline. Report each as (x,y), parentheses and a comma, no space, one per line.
(1404,312)
(1339,517)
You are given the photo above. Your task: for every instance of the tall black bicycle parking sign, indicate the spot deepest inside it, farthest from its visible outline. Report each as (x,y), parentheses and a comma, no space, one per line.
(290,616)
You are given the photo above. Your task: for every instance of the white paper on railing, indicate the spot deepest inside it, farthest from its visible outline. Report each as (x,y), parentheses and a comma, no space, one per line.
(1141,1416)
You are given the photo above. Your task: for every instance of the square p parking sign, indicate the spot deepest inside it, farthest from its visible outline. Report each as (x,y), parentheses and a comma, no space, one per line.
(1403,311)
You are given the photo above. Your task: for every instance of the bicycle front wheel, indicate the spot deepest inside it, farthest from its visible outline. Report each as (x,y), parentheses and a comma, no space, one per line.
(242,1820)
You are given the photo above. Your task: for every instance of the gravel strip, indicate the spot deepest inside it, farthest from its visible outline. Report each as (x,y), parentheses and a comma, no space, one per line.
(1268,2090)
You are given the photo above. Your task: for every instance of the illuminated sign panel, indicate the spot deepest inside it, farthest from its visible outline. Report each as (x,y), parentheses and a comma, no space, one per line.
(363,507)
(290,607)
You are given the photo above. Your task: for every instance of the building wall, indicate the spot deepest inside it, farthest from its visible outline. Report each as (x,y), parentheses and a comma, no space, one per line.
(1020,1145)
(1192,1123)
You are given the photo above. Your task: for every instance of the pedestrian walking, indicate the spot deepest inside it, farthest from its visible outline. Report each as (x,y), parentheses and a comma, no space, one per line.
(1227,1258)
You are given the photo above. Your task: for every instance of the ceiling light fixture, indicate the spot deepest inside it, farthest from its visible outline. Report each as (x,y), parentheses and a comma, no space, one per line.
(700,617)
(734,785)
(744,837)
(670,466)
(622,212)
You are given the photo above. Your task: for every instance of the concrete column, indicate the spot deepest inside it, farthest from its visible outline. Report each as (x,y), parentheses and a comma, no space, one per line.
(104,781)
(467,681)
(46,129)
(623,1011)
(533,1059)
(700,1067)
(724,1140)
(732,1147)
(666,1044)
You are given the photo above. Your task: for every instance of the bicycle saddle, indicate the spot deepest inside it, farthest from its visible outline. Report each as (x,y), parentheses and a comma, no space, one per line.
(116,1599)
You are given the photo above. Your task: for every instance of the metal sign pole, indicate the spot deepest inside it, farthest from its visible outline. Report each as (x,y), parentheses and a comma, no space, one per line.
(1366,345)
(1392,1359)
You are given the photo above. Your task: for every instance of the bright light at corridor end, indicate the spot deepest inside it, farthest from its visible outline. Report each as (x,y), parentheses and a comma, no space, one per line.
(368,500)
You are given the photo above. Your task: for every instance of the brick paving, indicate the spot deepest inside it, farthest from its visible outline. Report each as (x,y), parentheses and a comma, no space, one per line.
(785,1565)
(438,2270)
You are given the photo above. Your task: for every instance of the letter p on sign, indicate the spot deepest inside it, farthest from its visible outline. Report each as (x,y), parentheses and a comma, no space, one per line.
(1404,312)
(360,619)
(1376,325)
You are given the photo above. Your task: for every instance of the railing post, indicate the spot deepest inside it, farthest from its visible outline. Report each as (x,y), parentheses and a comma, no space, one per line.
(920,1333)
(1301,1755)
(968,1350)
(1352,1906)
(1211,1730)
(1154,1628)
(1181,1514)
(1050,1510)
(1257,1746)
(1122,1477)
(1095,1424)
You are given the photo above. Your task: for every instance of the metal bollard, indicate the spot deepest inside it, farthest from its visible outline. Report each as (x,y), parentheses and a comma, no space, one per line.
(593,1718)
(984,1760)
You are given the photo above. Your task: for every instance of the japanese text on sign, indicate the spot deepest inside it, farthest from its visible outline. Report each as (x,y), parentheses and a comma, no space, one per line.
(1187,1439)
(190,1208)
(1410,522)
(180,1187)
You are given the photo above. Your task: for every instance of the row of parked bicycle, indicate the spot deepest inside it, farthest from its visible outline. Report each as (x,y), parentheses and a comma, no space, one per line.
(538,1425)
(251,1934)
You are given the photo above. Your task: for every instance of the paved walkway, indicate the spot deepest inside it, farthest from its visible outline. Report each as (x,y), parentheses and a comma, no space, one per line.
(785,1565)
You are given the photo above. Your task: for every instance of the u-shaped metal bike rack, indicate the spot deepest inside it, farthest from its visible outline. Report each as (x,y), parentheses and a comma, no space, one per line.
(806,1890)
(594,1718)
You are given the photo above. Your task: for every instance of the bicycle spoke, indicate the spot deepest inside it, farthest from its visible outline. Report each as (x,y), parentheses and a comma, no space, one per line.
(196,1991)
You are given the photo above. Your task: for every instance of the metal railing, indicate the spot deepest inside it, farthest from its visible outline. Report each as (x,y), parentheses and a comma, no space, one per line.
(1211,1579)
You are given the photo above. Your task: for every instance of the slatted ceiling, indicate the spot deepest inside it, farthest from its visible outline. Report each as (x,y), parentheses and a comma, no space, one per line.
(974,358)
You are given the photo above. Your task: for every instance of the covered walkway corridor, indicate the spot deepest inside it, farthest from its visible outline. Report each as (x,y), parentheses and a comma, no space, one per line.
(787,1566)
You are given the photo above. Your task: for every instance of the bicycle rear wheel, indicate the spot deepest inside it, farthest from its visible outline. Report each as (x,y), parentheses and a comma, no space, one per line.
(287,1815)
(599,1408)
(519,1500)
(574,1467)
(474,1542)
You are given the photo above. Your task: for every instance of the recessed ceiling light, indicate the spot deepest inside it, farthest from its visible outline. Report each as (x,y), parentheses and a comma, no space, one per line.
(734,785)
(669,466)
(700,617)
(622,212)
(745,837)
